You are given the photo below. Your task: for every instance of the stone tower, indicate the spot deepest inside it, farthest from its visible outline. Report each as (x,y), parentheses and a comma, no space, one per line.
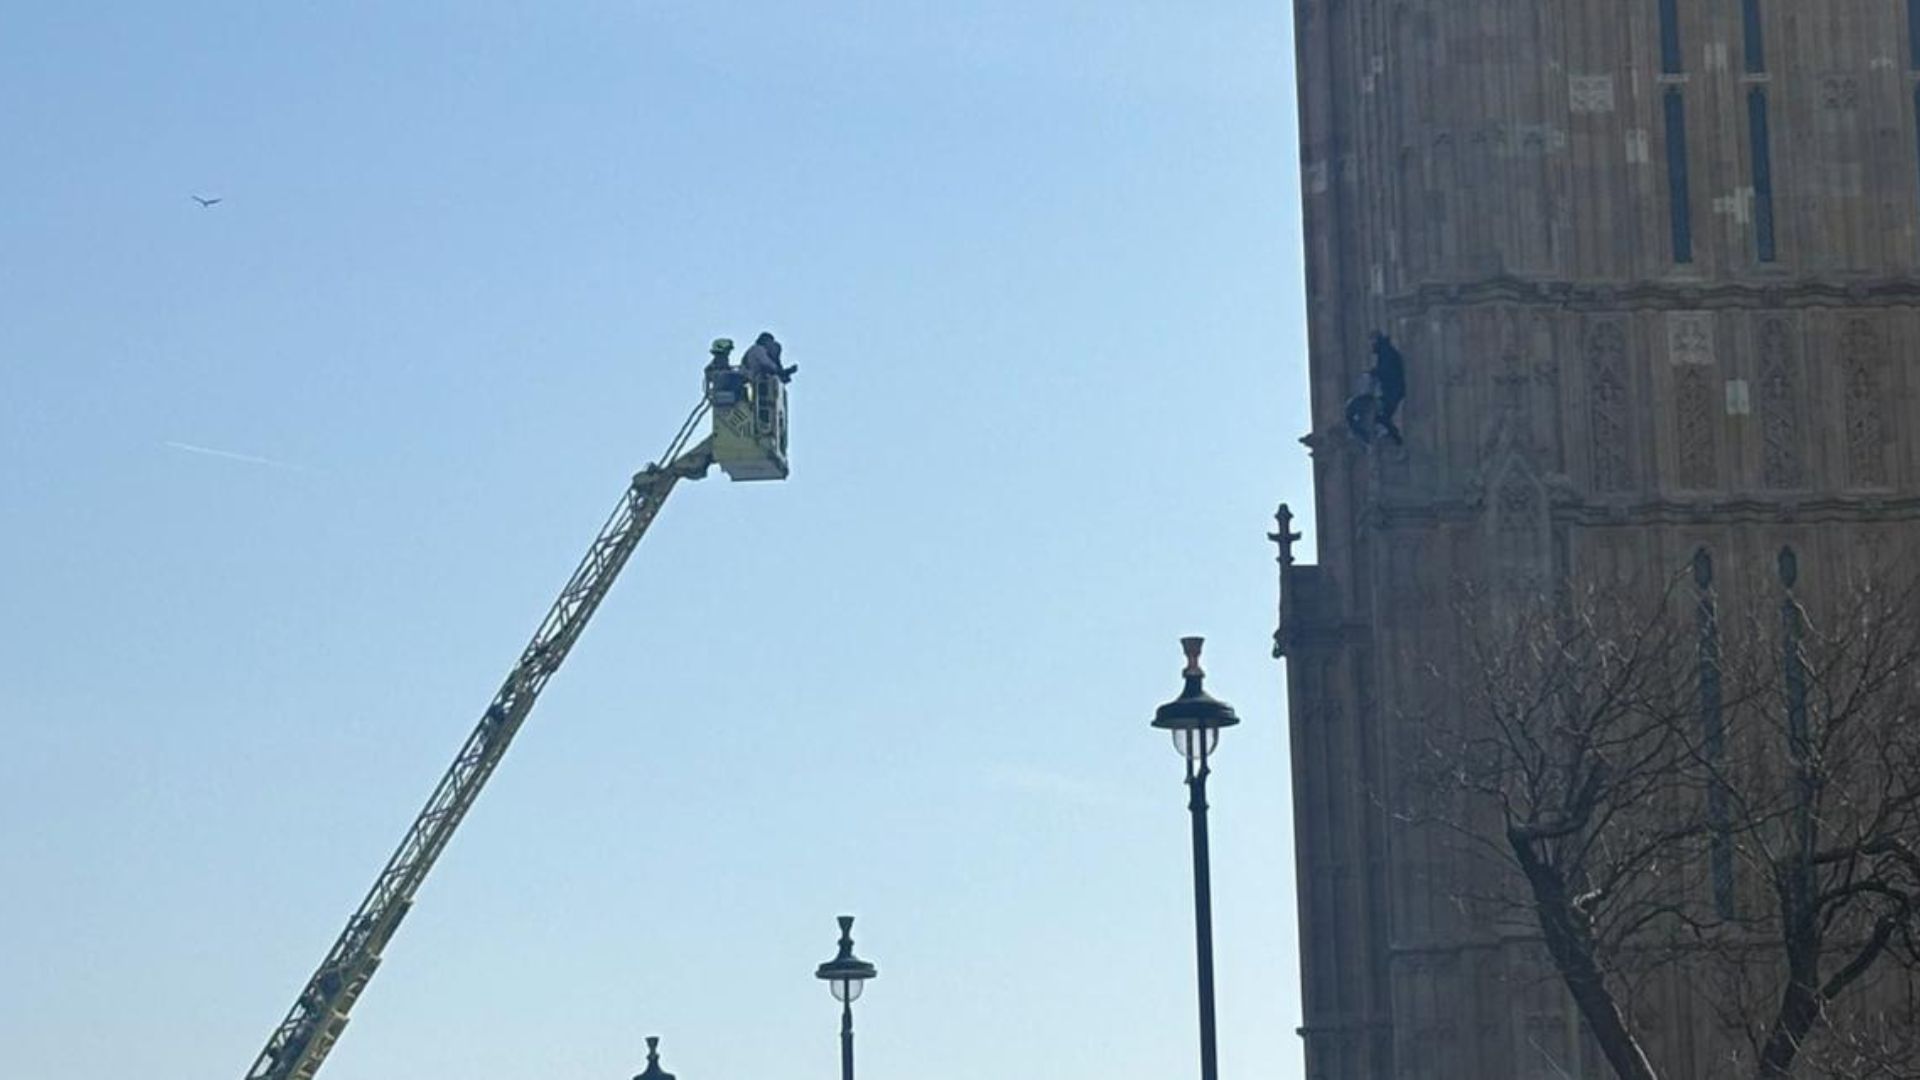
(1652,264)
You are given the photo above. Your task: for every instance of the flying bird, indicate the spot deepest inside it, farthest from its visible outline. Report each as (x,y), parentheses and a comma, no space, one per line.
(204,203)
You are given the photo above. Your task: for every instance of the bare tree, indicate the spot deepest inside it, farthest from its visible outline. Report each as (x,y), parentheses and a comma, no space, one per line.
(1729,800)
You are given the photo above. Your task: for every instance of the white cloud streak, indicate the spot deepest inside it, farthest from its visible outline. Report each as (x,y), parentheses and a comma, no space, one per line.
(229,455)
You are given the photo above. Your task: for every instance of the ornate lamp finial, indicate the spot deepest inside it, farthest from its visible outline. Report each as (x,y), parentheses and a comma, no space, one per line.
(1285,536)
(1191,646)
(654,1072)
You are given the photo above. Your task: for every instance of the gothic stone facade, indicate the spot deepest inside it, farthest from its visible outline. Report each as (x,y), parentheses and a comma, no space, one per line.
(1653,266)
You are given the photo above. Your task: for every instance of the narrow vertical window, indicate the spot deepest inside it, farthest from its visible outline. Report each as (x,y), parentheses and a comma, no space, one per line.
(1762,173)
(1678,207)
(1913,34)
(1916,112)
(1757,35)
(1669,38)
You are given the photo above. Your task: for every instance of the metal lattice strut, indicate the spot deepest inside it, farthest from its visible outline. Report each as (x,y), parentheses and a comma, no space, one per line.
(301,1042)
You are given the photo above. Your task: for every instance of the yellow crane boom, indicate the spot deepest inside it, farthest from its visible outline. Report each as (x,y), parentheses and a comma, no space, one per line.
(748,443)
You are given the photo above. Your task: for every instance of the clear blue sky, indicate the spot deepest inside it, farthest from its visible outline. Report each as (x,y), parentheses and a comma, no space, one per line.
(1039,265)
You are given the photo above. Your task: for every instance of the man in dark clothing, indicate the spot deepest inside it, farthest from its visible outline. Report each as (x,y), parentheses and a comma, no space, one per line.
(1390,382)
(764,359)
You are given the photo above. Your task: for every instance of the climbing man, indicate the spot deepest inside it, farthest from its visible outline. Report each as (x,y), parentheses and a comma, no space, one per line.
(1389,376)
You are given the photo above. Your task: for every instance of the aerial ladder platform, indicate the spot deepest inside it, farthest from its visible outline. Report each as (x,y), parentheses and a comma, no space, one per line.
(748,441)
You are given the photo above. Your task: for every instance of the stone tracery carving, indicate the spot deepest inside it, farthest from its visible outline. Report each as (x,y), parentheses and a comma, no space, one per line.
(1510,391)
(1518,508)
(1839,91)
(1860,365)
(1606,351)
(1590,93)
(1693,418)
(1781,455)
(1872,546)
(1690,337)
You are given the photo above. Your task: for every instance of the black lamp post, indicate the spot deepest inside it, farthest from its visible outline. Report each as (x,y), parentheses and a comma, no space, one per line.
(846,975)
(1195,719)
(654,1072)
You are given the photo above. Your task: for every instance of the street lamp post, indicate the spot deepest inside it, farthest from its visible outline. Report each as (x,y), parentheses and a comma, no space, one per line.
(1195,719)
(846,976)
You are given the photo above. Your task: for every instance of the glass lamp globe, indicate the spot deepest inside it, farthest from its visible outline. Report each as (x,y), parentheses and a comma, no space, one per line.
(1195,717)
(1195,744)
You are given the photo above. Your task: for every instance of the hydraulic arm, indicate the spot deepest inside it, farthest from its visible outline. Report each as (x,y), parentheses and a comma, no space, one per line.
(301,1043)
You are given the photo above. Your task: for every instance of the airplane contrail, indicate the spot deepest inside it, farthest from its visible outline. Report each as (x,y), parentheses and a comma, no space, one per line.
(230,455)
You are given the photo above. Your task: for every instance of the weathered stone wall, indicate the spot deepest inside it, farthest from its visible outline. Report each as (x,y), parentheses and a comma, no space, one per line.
(1655,266)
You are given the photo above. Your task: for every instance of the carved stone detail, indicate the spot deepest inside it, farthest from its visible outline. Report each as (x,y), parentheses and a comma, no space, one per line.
(1782,457)
(1545,366)
(1690,337)
(1864,394)
(1590,93)
(1285,536)
(1510,391)
(1872,547)
(1694,424)
(1518,508)
(1839,91)
(1690,350)
(1607,297)
(1606,358)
